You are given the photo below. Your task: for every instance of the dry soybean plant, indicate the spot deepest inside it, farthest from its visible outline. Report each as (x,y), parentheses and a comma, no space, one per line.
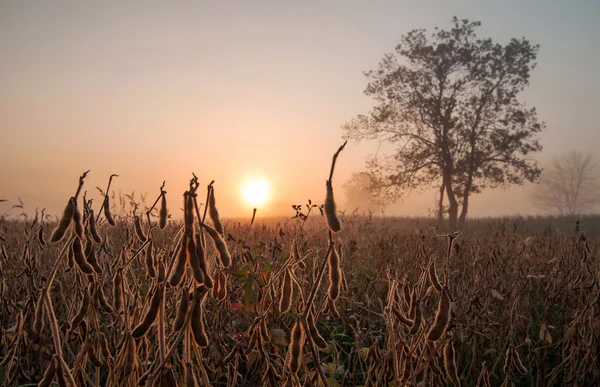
(128,296)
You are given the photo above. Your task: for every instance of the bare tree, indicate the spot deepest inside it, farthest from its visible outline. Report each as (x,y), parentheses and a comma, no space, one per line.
(570,185)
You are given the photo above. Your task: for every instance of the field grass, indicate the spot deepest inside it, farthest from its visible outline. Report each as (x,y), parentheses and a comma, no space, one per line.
(522,289)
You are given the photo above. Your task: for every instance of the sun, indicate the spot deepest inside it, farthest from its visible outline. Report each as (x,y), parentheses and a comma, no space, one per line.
(256,192)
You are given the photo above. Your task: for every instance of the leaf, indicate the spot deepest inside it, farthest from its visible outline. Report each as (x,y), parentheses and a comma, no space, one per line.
(496,295)
(365,351)
(545,335)
(242,275)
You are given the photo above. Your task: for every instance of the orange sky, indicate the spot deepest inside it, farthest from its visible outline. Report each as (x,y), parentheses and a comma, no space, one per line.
(154,91)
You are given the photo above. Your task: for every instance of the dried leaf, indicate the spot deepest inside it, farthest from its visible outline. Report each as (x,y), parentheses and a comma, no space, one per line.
(496,295)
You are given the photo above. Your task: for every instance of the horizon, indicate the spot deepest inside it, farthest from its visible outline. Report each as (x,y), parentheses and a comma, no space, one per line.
(234,92)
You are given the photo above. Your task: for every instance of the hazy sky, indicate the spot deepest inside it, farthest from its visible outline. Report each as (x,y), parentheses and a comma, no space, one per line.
(234,89)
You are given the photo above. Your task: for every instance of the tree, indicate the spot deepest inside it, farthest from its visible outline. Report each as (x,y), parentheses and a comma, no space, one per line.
(361,193)
(570,185)
(448,103)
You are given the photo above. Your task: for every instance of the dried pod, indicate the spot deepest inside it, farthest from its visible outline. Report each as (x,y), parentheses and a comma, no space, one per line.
(202,262)
(197,318)
(412,307)
(188,212)
(61,377)
(403,319)
(295,349)
(77,220)
(85,303)
(181,311)
(107,214)
(89,349)
(222,289)
(214,213)
(518,363)
(442,317)
(450,363)
(190,377)
(333,309)
(48,375)
(63,224)
(90,256)
(151,314)
(192,257)
(285,302)
(137,223)
(179,268)
(220,245)
(434,364)
(130,360)
(83,330)
(38,321)
(217,288)
(407,295)
(144,378)
(150,259)
(41,239)
(162,214)
(330,209)
(167,379)
(483,380)
(102,299)
(508,359)
(433,278)
(335,274)
(92,227)
(314,333)
(407,371)
(104,348)
(418,319)
(70,260)
(118,298)
(161,272)
(79,257)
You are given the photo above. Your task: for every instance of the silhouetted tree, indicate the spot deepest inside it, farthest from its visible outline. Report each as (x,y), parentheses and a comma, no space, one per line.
(570,185)
(361,193)
(448,102)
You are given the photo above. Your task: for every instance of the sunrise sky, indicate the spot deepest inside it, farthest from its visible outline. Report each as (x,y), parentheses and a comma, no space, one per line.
(239,90)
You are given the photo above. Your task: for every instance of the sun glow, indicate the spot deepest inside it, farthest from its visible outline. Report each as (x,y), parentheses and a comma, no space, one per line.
(256,192)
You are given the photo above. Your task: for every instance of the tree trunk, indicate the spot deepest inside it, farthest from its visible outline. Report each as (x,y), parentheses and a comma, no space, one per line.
(441,208)
(452,202)
(452,215)
(471,171)
(463,213)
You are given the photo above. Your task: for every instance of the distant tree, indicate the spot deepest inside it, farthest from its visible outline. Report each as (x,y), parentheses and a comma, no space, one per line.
(448,103)
(361,193)
(570,185)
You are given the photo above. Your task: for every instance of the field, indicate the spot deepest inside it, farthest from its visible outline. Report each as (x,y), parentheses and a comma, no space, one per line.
(153,300)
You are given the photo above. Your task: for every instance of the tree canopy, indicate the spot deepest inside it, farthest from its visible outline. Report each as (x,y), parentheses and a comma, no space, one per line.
(448,101)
